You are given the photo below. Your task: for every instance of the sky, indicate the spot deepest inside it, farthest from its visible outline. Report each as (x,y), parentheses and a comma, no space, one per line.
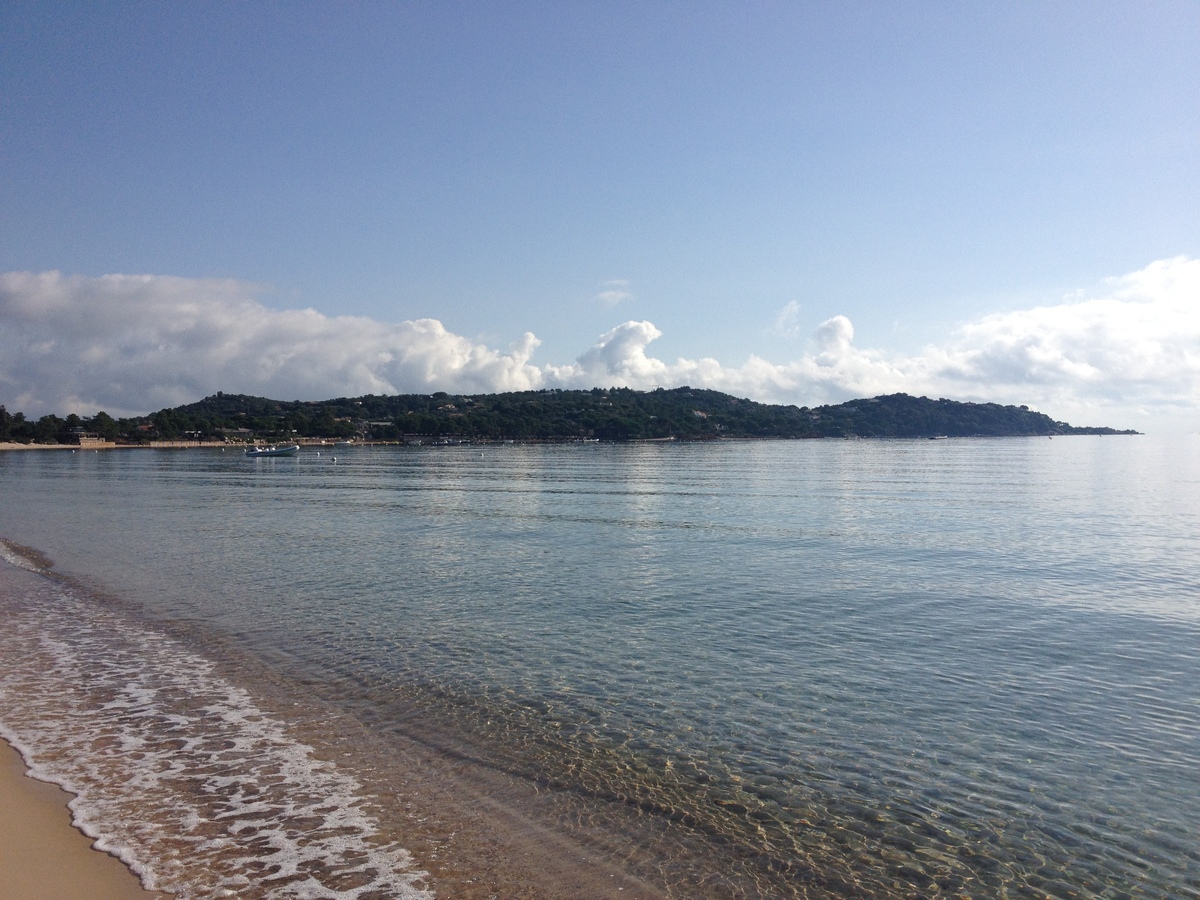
(796,203)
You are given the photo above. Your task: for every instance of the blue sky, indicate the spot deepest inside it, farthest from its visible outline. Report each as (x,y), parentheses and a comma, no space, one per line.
(712,184)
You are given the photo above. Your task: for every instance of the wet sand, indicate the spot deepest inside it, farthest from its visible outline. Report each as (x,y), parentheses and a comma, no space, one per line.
(492,850)
(42,857)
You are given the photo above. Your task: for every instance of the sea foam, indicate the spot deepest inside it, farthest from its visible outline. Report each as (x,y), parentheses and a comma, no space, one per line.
(177,771)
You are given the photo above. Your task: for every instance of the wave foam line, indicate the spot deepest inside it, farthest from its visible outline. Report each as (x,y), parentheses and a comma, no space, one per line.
(175,770)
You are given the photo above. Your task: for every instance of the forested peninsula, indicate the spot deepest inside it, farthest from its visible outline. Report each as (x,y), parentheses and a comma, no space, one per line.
(613,414)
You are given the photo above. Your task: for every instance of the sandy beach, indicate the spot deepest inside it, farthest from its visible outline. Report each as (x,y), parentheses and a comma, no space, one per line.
(12,445)
(42,857)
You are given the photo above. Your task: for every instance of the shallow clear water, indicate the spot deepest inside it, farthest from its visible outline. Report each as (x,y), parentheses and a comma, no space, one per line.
(805,668)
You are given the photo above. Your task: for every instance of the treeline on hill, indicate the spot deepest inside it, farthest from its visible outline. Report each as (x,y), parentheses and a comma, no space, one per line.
(614,414)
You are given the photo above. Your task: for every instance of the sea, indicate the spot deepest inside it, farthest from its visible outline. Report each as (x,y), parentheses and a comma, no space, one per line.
(794,669)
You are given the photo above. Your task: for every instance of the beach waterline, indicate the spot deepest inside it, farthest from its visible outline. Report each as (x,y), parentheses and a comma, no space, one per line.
(192,817)
(42,857)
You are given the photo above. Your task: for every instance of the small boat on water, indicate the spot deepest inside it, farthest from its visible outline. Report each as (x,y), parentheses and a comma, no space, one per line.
(289,450)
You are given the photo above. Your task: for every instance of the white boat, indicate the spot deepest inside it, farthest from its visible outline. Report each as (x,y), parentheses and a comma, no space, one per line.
(289,450)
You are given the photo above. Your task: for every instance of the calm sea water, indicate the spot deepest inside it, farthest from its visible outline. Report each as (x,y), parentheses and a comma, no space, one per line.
(813,669)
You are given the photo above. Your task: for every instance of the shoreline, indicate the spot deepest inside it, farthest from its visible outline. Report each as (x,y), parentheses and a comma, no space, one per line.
(309,443)
(42,855)
(13,445)
(478,832)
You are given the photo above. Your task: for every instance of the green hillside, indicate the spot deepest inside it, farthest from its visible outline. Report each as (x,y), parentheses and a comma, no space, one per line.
(615,414)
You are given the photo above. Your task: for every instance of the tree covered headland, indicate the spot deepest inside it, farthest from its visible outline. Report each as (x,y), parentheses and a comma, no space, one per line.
(613,414)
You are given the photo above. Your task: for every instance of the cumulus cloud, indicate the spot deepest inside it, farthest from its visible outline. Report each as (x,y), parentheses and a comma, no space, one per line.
(1139,342)
(132,344)
(618,358)
(836,372)
(1131,351)
(1128,355)
(136,343)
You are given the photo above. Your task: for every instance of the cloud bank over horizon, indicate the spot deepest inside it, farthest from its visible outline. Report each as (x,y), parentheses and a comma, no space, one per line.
(132,344)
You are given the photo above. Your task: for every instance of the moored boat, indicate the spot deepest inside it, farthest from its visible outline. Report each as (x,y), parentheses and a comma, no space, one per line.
(289,450)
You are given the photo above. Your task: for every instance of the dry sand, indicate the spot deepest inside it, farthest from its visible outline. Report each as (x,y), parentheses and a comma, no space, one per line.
(7,445)
(42,857)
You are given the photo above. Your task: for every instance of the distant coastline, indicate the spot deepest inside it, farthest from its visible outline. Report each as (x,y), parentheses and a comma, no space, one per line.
(613,414)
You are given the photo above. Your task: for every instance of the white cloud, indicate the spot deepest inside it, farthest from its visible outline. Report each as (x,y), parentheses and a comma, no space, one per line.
(1135,347)
(1129,355)
(136,343)
(617,359)
(133,344)
(837,371)
(615,291)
